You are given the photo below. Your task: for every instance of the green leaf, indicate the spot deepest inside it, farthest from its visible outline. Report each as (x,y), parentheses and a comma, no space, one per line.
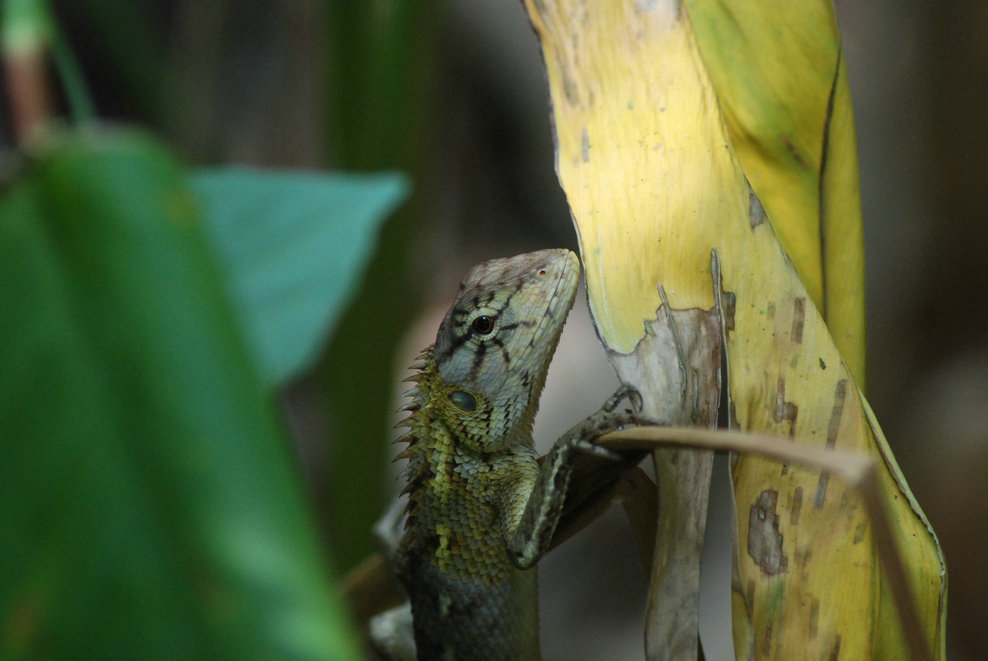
(778,70)
(294,245)
(149,505)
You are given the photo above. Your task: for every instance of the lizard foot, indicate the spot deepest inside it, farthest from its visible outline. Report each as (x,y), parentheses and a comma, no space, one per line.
(585,446)
(610,417)
(626,391)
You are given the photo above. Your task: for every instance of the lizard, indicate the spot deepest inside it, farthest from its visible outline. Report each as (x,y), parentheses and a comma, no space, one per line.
(481,505)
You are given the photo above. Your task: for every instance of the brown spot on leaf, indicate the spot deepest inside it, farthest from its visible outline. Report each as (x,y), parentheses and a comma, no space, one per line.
(585,145)
(570,90)
(821,490)
(798,319)
(767,640)
(764,538)
(859,531)
(835,652)
(756,212)
(797,505)
(814,617)
(833,429)
(785,410)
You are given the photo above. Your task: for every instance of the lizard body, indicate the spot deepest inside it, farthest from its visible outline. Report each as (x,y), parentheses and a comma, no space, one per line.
(481,507)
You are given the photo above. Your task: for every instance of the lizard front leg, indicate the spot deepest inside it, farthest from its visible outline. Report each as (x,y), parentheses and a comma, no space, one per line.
(608,418)
(528,538)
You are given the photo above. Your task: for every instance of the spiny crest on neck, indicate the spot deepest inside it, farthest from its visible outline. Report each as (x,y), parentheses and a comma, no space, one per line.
(416,423)
(424,377)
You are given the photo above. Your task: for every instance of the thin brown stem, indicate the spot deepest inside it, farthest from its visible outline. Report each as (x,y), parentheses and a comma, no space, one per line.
(28,90)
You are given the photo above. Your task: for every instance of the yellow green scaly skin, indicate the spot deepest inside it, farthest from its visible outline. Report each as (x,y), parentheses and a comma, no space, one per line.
(481,506)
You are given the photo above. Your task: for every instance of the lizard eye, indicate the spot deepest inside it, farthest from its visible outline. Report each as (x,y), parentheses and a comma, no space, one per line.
(483,325)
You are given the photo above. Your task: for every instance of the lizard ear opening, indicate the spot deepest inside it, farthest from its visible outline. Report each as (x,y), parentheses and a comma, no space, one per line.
(463,400)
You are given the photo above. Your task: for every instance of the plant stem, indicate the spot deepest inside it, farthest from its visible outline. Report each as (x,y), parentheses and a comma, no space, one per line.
(23,44)
(28,38)
(27,89)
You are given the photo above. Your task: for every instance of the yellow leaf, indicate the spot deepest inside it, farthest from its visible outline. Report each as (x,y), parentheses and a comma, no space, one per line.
(655,189)
(780,77)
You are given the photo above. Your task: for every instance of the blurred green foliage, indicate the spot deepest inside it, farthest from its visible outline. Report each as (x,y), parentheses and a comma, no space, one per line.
(192,69)
(149,503)
(293,246)
(380,57)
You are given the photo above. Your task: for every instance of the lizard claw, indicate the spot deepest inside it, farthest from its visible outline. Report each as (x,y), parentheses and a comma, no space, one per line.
(608,419)
(626,391)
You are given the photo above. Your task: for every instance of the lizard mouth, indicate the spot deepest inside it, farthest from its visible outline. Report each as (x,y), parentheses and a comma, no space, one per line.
(559,303)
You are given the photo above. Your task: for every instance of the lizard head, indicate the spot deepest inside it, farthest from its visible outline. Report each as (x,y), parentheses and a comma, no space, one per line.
(495,343)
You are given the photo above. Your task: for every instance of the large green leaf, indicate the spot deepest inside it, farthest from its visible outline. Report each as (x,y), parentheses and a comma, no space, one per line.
(149,506)
(293,245)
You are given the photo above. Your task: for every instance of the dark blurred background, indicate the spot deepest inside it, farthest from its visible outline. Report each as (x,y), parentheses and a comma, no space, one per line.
(454,94)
